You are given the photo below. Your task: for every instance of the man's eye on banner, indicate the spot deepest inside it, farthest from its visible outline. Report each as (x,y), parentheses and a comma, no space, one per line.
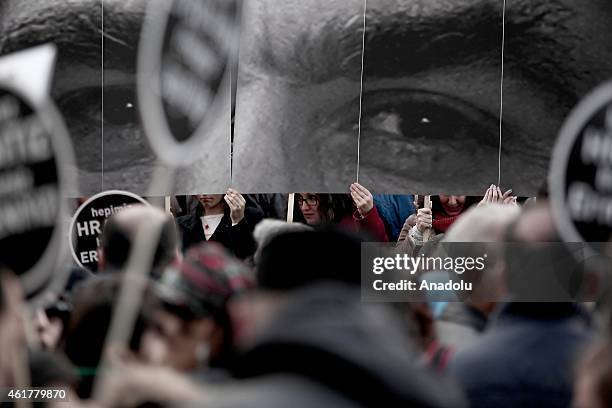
(430,99)
(432,91)
(297,107)
(95,84)
(556,52)
(185,88)
(414,104)
(74,28)
(430,117)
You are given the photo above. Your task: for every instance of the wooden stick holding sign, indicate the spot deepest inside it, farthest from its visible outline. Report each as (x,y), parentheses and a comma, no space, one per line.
(167,204)
(290,205)
(429,231)
(176,132)
(132,291)
(128,305)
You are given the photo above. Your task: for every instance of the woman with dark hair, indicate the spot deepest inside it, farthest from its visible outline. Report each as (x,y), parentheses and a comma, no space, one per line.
(223,219)
(445,209)
(354,212)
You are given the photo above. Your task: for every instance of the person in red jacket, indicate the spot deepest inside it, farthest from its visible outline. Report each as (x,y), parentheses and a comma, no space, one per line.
(356,212)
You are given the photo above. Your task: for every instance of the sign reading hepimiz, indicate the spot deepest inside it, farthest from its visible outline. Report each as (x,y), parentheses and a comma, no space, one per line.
(89,220)
(184,63)
(580,178)
(33,148)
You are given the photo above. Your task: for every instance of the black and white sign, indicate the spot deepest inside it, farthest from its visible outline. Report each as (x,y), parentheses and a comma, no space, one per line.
(581,171)
(33,147)
(89,220)
(184,73)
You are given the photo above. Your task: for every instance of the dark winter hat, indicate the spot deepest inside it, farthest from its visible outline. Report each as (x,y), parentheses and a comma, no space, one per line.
(296,259)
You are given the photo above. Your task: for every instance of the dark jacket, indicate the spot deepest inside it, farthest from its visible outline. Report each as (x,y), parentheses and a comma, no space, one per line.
(237,238)
(326,348)
(525,358)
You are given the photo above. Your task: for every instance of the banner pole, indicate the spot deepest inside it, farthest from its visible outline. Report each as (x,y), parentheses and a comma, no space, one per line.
(290,206)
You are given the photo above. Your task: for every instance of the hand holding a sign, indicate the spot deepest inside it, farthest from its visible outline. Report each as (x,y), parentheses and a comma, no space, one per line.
(495,196)
(424,219)
(511,200)
(237,204)
(362,198)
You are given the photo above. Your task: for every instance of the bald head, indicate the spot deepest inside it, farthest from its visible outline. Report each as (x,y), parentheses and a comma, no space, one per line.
(482,224)
(536,225)
(120,231)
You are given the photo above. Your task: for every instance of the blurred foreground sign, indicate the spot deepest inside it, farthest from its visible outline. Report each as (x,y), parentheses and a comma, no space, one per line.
(89,220)
(33,146)
(184,74)
(581,171)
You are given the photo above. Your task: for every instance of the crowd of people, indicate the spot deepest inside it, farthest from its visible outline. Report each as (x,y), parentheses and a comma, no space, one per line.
(242,308)
(257,299)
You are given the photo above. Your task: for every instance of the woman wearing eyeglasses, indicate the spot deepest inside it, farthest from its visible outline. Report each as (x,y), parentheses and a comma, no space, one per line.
(355,212)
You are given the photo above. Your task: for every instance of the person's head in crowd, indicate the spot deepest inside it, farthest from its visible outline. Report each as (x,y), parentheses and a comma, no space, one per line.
(451,205)
(336,208)
(323,208)
(211,204)
(294,259)
(355,211)
(446,209)
(534,255)
(593,378)
(191,329)
(93,304)
(120,231)
(269,228)
(536,224)
(484,227)
(220,204)
(542,268)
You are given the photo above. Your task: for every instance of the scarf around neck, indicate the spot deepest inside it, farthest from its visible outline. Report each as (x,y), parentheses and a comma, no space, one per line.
(441,222)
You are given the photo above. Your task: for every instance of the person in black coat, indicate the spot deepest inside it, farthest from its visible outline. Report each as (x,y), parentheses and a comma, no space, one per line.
(528,352)
(222,218)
